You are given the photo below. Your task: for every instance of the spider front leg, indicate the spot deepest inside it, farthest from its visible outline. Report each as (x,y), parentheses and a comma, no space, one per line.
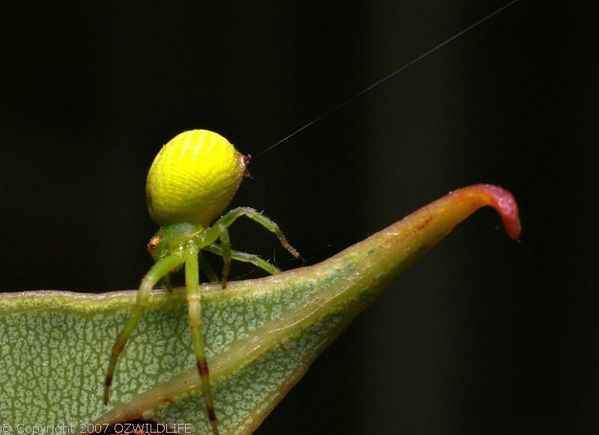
(160,269)
(192,282)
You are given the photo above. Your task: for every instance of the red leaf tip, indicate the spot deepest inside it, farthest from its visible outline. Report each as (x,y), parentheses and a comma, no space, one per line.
(506,206)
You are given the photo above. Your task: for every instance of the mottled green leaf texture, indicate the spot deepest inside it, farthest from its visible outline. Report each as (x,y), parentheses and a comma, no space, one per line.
(261,334)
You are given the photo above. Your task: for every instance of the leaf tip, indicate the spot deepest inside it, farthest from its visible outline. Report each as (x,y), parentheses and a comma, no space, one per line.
(502,201)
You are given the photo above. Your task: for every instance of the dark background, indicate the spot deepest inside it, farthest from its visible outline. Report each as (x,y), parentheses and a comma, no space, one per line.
(482,336)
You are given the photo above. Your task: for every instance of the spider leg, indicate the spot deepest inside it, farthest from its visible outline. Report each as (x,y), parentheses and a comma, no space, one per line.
(192,277)
(159,270)
(230,217)
(246,258)
(167,282)
(225,252)
(207,268)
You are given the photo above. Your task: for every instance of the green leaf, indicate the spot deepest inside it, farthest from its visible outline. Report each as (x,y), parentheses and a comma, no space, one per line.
(262,334)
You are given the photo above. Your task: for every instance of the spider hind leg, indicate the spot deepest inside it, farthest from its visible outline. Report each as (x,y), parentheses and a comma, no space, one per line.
(245,257)
(230,217)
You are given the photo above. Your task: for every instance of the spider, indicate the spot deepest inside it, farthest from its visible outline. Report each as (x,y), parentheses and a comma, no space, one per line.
(191,181)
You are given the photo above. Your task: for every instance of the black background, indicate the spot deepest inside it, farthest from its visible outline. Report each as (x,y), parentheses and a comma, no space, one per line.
(482,336)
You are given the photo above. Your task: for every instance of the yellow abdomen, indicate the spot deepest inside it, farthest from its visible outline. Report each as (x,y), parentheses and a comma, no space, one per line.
(193,178)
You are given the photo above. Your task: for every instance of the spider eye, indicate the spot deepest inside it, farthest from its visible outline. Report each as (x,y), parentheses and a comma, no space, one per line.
(153,243)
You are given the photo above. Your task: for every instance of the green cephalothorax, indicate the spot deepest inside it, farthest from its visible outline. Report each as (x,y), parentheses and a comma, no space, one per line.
(190,183)
(173,237)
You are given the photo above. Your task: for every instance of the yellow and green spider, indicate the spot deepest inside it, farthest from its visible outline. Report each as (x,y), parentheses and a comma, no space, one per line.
(190,183)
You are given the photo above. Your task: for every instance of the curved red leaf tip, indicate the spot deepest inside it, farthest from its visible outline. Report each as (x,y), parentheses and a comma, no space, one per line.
(504,203)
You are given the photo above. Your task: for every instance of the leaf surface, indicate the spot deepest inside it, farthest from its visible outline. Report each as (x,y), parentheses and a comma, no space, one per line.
(262,334)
